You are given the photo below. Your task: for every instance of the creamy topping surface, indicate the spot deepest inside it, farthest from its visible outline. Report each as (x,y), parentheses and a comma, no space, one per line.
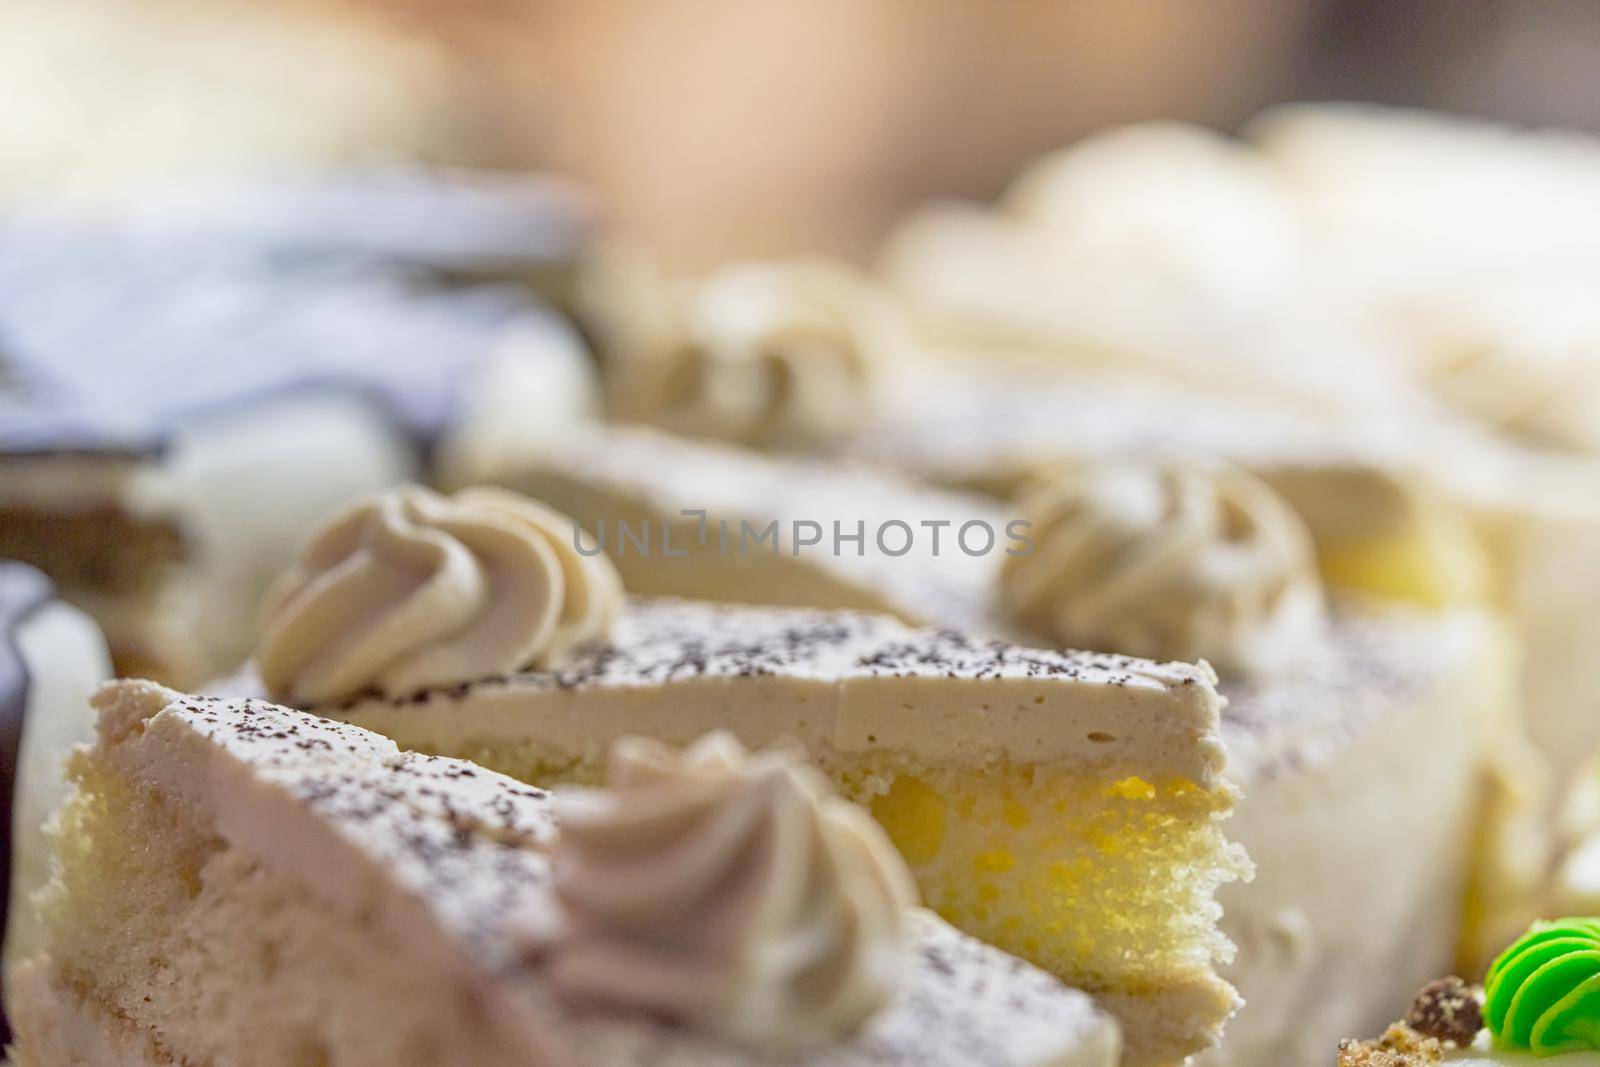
(1371,667)
(408,589)
(847,681)
(730,892)
(1173,563)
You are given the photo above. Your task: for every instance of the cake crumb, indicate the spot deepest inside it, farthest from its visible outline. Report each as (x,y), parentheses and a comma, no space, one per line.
(1400,1046)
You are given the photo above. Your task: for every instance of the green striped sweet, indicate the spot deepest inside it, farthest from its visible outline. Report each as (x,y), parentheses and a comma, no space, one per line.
(1543,993)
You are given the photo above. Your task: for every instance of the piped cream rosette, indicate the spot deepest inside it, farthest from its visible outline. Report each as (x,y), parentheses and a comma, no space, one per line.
(409,589)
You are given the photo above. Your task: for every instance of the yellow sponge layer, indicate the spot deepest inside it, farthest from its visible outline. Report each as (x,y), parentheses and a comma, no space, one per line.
(1106,883)
(1438,562)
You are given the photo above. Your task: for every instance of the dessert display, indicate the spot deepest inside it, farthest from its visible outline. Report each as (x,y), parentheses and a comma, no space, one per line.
(304,891)
(1064,806)
(51,658)
(1537,1004)
(1148,621)
(144,461)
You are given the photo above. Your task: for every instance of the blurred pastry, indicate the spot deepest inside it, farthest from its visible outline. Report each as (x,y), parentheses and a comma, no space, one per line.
(1473,245)
(1161,252)
(303,88)
(174,412)
(780,354)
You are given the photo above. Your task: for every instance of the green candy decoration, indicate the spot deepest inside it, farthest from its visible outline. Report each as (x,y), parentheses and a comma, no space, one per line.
(1543,993)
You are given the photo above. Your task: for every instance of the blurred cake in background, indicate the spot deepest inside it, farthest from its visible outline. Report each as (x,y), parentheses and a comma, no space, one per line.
(780,355)
(181,398)
(1160,252)
(1347,259)
(110,102)
(1476,246)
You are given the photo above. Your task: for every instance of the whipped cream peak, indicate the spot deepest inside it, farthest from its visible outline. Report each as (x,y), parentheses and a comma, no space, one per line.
(771,353)
(730,892)
(407,589)
(1181,562)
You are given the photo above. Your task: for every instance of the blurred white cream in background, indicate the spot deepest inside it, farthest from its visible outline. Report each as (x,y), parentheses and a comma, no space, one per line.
(107,100)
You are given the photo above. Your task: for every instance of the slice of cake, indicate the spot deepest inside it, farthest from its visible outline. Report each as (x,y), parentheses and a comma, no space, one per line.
(247,884)
(148,380)
(51,658)
(1064,806)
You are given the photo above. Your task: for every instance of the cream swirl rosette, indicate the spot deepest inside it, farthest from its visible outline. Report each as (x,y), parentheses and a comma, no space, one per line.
(730,892)
(408,589)
(1168,563)
(768,354)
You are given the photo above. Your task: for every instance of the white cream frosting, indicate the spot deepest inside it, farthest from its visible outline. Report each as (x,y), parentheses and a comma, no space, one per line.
(407,589)
(1180,562)
(731,892)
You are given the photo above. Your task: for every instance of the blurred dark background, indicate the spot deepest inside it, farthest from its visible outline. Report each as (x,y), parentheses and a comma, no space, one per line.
(720,127)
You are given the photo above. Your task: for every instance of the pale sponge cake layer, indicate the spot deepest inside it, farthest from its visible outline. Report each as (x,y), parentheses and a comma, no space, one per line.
(244,884)
(1066,807)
